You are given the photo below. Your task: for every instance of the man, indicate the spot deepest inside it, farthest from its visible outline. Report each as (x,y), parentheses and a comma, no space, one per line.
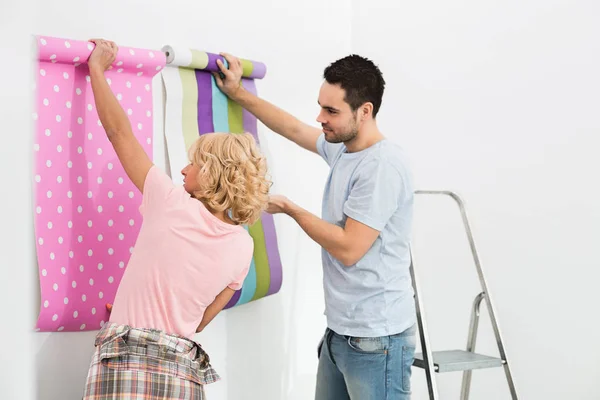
(368,347)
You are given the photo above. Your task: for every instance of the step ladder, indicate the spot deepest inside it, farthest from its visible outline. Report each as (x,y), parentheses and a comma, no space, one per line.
(459,360)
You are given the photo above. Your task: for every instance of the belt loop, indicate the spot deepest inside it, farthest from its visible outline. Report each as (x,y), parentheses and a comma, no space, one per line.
(202,355)
(125,336)
(328,338)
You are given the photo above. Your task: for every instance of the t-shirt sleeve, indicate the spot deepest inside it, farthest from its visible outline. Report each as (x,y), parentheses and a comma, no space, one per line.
(238,282)
(159,189)
(328,150)
(375,193)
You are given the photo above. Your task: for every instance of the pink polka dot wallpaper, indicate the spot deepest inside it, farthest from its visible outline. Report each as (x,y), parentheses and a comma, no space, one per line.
(86,211)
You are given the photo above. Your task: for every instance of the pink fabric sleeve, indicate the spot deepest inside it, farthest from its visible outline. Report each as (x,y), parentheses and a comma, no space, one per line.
(239,281)
(247,260)
(158,189)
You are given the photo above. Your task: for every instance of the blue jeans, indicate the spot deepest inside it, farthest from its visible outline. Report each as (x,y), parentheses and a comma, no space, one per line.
(356,368)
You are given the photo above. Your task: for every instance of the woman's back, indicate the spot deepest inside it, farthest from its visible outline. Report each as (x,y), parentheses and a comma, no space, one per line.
(183,258)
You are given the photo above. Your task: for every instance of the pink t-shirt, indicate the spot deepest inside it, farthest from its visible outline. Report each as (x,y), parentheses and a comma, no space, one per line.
(183,258)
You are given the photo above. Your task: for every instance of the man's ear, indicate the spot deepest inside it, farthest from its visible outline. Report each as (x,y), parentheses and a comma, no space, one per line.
(365,111)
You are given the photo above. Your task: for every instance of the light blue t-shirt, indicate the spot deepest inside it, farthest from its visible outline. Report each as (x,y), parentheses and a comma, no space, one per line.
(373,297)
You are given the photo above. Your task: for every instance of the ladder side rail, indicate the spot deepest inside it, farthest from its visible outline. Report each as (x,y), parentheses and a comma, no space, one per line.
(482,281)
(471,342)
(423,334)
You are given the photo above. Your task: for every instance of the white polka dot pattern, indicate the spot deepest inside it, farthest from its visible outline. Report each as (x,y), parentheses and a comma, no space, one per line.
(86,218)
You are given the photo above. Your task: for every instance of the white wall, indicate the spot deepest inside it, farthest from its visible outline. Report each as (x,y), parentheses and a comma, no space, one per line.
(16,255)
(499,101)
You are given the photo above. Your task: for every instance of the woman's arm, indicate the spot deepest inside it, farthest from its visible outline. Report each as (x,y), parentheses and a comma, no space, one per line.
(131,154)
(215,307)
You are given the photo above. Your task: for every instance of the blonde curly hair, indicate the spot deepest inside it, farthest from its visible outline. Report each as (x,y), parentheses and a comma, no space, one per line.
(232,175)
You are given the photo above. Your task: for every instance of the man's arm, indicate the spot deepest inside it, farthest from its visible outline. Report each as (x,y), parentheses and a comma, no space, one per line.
(215,307)
(134,159)
(348,244)
(273,117)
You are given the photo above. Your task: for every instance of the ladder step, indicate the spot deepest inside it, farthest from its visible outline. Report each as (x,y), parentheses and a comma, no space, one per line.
(458,360)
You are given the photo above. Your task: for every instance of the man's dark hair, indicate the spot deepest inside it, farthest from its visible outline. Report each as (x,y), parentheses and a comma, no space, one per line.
(360,78)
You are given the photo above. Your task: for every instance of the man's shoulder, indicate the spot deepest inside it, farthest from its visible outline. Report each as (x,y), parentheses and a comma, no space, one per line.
(388,154)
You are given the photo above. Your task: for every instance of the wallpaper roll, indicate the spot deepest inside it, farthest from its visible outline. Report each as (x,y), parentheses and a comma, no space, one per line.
(86,211)
(201,60)
(195,106)
(265,274)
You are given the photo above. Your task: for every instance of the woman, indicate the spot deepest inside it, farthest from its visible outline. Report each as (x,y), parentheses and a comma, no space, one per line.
(191,254)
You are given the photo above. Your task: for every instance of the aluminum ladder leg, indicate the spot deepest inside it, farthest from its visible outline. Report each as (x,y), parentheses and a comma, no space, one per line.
(459,360)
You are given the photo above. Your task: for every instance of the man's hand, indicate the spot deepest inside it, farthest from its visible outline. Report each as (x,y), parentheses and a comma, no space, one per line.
(232,83)
(229,81)
(348,243)
(277,204)
(103,55)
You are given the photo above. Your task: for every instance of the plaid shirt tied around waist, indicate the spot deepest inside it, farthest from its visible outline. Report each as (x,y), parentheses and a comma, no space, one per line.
(127,358)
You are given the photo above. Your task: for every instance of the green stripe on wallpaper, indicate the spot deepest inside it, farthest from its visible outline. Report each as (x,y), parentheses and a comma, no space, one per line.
(261,261)
(189,118)
(235,117)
